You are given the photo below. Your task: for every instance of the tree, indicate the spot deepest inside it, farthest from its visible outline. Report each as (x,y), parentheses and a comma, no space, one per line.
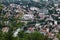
(1,6)
(38,36)
(58,35)
(32,36)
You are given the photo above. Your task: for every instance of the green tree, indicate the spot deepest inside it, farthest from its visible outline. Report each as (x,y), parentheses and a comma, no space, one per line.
(1,6)
(58,35)
(32,36)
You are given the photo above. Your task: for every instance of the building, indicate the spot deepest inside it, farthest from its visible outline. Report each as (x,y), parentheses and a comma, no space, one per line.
(5,29)
(28,17)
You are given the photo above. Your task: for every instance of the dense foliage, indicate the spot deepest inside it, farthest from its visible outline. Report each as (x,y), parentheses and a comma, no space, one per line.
(23,36)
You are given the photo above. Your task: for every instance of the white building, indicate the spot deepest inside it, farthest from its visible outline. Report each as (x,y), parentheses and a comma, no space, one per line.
(15,34)
(36,0)
(28,17)
(45,0)
(34,8)
(55,22)
(58,9)
(56,5)
(12,5)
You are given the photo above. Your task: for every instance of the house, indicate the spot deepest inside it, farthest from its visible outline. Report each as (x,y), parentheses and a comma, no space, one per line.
(56,5)
(12,5)
(49,18)
(6,22)
(41,15)
(5,29)
(37,24)
(45,0)
(57,9)
(55,22)
(36,0)
(30,30)
(16,32)
(28,17)
(34,8)
(50,35)
(55,39)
